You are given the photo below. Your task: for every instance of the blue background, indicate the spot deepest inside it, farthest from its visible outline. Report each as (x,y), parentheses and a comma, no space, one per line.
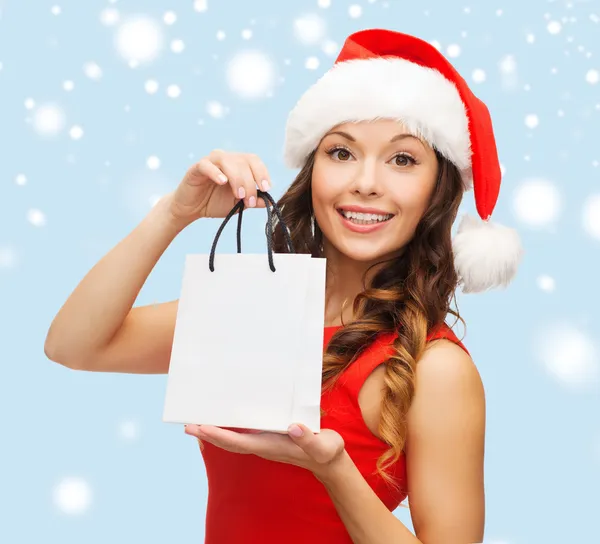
(69,435)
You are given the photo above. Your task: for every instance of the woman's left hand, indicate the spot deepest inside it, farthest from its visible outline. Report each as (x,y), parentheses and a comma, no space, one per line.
(300,446)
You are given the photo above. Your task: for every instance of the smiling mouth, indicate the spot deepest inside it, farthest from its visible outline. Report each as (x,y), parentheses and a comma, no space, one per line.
(365,218)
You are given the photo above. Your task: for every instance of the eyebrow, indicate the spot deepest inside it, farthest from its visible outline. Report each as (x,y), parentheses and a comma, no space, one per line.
(394,139)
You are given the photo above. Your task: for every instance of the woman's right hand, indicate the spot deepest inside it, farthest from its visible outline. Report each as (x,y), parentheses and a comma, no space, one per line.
(212,186)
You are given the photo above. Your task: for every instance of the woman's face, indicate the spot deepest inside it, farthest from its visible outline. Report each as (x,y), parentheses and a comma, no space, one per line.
(371,184)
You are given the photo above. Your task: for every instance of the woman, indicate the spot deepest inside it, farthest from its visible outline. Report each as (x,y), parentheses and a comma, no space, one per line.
(387,142)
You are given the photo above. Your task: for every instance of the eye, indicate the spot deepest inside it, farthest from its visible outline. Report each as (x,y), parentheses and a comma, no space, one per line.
(343,154)
(404,160)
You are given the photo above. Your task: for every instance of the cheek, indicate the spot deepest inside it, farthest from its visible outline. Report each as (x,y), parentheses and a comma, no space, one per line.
(413,198)
(326,185)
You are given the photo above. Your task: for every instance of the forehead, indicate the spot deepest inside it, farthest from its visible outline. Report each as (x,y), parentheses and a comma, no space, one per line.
(379,131)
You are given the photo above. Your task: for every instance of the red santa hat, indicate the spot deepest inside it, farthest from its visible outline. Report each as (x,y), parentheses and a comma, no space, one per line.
(386,74)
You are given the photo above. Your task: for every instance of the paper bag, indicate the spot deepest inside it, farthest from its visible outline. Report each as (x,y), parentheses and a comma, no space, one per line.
(248,344)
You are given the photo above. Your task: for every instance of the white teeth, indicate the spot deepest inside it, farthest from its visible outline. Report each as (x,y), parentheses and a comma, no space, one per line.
(365,217)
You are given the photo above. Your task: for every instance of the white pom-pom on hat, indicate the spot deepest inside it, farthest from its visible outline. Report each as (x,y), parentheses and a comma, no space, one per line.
(486,254)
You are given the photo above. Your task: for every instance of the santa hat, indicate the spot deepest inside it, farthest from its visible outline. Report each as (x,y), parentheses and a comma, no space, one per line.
(386,74)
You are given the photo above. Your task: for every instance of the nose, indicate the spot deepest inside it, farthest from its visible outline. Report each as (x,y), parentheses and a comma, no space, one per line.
(364,182)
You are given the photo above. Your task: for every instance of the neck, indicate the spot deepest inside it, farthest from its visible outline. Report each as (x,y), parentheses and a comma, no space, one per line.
(345,280)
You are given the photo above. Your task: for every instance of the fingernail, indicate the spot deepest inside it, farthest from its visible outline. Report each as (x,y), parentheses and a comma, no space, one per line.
(265,185)
(222,178)
(296,431)
(252,202)
(241,192)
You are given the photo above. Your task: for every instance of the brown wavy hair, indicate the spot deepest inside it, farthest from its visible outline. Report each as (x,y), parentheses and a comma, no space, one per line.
(410,294)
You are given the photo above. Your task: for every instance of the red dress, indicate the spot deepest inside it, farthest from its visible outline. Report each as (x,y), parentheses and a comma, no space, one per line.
(255,501)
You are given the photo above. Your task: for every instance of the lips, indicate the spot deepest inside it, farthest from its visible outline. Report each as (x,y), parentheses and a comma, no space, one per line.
(365,217)
(364,210)
(362,226)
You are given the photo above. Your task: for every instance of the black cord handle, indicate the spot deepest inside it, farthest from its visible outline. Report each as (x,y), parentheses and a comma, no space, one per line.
(239,207)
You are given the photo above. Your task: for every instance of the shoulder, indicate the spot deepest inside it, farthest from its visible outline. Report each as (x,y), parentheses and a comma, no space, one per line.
(446,369)
(445,363)
(448,389)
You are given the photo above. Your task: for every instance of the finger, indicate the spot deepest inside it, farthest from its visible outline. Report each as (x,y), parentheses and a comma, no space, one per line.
(269,445)
(323,448)
(207,168)
(249,183)
(240,179)
(259,171)
(300,433)
(220,437)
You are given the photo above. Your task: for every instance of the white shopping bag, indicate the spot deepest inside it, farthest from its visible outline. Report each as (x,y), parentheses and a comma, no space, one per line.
(248,344)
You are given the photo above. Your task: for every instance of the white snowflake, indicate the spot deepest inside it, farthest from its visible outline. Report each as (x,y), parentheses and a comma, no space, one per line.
(8,257)
(73,496)
(453,50)
(151,86)
(216,109)
(48,120)
(592,76)
(546,283)
(173,91)
(36,217)
(21,179)
(355,11)
(324,3)
(310,29)
(246,34)
(153,162)
(554,27)
(109,16)
(139,39)
(568,354)
(177,46)
(29,103)
(169,17)
(68,85)
(312,63)
(76,132)
(251,74)
(478,75)
(200,5)
(537,202)
(508,64)
(532,120)
(591,216)
(129,429)
(221,35)
(92,70)
(330,48)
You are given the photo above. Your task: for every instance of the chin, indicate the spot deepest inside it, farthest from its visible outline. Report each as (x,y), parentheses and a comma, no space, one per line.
(364,251)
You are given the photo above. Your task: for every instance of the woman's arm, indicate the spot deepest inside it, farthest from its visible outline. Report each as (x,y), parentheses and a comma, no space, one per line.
(97,327)
(444,454)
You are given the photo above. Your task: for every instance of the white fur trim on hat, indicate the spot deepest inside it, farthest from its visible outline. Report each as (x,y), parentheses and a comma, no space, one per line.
(367,89)
(486,254)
